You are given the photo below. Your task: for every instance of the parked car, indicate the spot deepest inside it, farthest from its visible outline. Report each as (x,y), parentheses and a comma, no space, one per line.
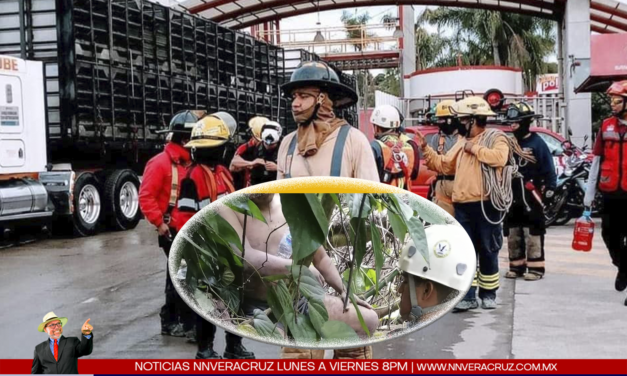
(426,177)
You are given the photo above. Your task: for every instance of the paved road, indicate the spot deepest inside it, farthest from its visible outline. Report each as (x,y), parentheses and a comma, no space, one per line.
(117,279)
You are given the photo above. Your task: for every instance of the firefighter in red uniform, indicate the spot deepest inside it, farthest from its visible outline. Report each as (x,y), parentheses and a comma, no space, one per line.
(242,163)
(609,174)
(397,157)
(158,195)
(206,181)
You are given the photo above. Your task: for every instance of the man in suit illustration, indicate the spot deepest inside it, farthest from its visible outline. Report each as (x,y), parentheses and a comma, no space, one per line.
(59,354)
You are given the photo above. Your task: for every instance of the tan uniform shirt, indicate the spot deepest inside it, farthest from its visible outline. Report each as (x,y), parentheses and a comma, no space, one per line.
(357,158)
(466,167)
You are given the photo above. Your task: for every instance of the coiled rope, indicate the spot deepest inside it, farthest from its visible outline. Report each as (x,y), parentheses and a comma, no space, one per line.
(498,187)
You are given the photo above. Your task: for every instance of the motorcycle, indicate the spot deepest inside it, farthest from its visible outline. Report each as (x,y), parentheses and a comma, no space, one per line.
(567,202)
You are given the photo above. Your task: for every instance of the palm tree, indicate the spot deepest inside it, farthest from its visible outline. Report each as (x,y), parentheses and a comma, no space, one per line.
(350,21)
(498,38)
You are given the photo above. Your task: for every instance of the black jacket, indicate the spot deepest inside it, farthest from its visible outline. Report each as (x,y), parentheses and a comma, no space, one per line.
(70,349)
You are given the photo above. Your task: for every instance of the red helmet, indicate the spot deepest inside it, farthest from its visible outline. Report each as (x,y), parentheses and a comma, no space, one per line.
(618,88)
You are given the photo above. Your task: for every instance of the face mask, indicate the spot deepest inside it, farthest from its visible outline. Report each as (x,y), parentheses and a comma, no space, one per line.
(270,136)
(522,131)
(208,156)
(448,127)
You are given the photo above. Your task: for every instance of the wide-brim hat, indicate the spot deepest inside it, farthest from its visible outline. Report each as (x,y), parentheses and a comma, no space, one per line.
(319,74)
(50,316)
(341,95)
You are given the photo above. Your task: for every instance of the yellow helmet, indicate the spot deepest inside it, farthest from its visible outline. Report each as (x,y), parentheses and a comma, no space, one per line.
(443,109)
(255,124)
(212,131)
(472,106)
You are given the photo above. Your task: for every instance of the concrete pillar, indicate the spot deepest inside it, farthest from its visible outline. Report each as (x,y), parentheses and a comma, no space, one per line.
(576,45)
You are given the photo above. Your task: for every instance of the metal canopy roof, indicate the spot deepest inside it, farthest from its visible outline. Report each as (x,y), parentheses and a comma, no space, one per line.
(607,16)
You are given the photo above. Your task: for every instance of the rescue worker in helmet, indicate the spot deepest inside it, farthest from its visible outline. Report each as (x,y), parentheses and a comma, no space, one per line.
(245,159)
(158,196)
(429,284)
(206,181)
(473,208)
(446,138)
(323,145)
(396,155)
(524,224)
(260,160)
(608,174)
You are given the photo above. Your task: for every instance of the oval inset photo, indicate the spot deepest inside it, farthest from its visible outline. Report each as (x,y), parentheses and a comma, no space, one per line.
(351,264)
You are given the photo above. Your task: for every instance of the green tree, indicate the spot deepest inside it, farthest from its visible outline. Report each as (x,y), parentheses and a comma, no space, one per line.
(351,21)
(496,38)
(389,82)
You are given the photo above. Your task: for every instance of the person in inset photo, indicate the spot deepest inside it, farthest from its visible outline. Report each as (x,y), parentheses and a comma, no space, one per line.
(312,269)
(59,354)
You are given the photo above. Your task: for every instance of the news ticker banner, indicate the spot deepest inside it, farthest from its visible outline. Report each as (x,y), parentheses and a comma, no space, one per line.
(347,367)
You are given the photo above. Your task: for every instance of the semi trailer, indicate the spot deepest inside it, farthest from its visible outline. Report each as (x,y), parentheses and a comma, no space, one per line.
(87,84)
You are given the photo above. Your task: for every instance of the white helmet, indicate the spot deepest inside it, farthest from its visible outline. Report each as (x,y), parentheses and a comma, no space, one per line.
(271,132)
(386,116)
(452,261)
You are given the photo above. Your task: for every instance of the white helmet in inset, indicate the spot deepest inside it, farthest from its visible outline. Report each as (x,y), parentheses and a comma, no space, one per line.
(452,261)
(386,116)
(271,132)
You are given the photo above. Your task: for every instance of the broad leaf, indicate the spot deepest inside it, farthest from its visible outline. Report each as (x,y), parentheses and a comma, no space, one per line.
(398,226)
(308,225)
(356,205)
(308,283)
(358,283)
(265,326)
(206,252)
(222,227)
(359,240)
(280,300)
(301,329)
(242,204)
(317,314)
(429,213)
(377,248)
(230,296)
(247,329)
(418,235)
(338,330)
(204,301)
(359,316)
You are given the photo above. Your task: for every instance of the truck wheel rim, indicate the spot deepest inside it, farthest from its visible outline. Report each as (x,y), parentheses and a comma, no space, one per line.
(89,204)
(129,200)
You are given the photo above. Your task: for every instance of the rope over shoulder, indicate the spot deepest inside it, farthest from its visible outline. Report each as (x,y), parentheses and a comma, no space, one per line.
(498,186)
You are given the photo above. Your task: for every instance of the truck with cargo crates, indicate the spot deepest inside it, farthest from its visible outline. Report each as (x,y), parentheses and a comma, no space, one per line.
(87,86)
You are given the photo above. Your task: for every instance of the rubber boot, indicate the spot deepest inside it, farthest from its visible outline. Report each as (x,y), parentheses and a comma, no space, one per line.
(238,352)
(207,353)
(174,330)
(356,353)
(291,353)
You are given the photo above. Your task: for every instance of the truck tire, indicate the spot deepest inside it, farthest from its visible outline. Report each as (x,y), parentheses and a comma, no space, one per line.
(87,205)
(121,200)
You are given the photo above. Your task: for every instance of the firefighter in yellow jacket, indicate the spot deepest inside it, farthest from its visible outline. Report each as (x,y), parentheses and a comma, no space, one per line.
(397,157)
(446,138)
(473,207)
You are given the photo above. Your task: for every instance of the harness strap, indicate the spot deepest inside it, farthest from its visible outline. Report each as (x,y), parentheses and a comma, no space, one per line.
(210,183)
(290,155)
(338,151)
(174,187)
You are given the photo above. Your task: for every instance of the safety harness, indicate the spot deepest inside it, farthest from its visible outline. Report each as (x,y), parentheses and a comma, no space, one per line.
(174,188)
(336,161)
